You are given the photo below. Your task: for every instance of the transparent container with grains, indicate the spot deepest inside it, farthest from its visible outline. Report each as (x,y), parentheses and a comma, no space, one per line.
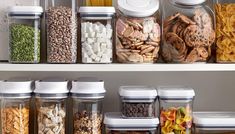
(51,104)
(15,106)
(97,34)
(138,31)
(96,2)
(176,109)
(87,95)
(188,31)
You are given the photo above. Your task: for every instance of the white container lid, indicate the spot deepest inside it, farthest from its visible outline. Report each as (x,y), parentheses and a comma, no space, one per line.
(189,2)
(96,10)
(116,120)
(139,92)
(214,119)
(88,88)
(25,10)
(138,8)
(175,92)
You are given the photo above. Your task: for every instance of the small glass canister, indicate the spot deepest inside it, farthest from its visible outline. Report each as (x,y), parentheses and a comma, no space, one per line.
(96,2)
(15,107)
(97,34)
(51,98)
(24,32)
(88,95)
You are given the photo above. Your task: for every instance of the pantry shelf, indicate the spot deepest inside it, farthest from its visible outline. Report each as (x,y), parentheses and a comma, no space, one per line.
(6,67)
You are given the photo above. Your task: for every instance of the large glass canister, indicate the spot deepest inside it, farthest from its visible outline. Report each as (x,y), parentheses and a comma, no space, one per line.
(188,31)
(225,27)
(176,109)
(88,95)
(51,98)
(138,101)
(97,34)
(15,107)
(24,34)
(96,2)
(214,122)
(138,31)
(116,124)
(61,31)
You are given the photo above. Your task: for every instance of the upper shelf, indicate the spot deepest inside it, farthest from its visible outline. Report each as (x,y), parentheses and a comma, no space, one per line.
(6,67)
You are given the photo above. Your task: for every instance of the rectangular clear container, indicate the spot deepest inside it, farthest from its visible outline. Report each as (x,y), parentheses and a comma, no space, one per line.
(115,124)
(96,2)
(138,101)
(214,122)
(97,34)
(24,34)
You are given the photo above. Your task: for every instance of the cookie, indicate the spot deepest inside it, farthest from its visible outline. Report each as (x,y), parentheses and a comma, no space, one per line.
(186,19)
(171,18)
(192,56)
(176,42)
(202,52)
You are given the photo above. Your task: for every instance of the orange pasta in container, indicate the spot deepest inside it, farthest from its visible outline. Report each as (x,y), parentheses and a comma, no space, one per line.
(97,2)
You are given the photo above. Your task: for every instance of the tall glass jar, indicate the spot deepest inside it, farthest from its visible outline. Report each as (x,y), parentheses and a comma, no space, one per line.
(176,109)
(97,34)
(88,95)
(24,34)
(51,105)
(188,31)
(15,107)
(61,31)
(138,31)
(225,27)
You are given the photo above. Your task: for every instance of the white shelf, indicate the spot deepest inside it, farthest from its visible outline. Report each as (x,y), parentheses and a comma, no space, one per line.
(5,67)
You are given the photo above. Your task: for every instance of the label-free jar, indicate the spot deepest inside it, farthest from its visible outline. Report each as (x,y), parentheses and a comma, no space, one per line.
(101,3)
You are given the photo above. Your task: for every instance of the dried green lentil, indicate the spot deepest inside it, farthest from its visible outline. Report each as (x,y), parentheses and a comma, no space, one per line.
(24,44)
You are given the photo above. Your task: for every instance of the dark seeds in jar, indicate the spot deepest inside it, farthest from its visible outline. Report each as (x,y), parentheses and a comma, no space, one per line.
(130,132)
(138,109)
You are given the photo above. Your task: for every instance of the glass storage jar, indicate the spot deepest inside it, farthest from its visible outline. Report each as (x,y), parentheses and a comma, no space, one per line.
(138,101)
(24,34)
(188,31)
(51,98)
(176,109)
(138,31)
(61,30)
(225,27)
(115,124)
(97,34)
(214,122)
(88,95)
(96,2)
(15,107)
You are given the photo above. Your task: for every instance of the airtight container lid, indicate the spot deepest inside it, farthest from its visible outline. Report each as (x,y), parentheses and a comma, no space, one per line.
(88,88)
(16,88)
(175,92)
(97,10)
(189,2)
(214,120)
(115,121)
(51,88)
(138,8)
(25,10)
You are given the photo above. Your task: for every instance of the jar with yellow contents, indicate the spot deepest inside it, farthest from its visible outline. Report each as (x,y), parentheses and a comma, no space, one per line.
(96,2)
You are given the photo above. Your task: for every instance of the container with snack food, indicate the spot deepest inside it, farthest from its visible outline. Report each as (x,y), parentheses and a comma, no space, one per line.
(15,106)
(116,124)
(214,122)
(138,31)
(225,27)
(87,95)
(176,109)
(188,31)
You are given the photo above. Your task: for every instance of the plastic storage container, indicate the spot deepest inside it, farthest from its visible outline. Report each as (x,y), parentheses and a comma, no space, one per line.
(138,31)
(214,122)
(188,31)
(97,34)
(61,31)
(24,34)
(115,124)
(96,2)
(51,97)
(225,39)
(176,109)
(15,107)
(138,101)
(88,95)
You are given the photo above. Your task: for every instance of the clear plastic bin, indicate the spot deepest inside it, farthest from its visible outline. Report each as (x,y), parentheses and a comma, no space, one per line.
(96,2)
(97,34)
(176,109)
(138,101)
(116,124)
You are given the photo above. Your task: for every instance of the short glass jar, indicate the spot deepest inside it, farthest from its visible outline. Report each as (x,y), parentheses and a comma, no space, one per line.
(96,3)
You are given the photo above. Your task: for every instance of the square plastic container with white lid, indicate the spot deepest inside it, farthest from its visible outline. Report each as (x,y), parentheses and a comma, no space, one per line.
(138,101)
(214,122)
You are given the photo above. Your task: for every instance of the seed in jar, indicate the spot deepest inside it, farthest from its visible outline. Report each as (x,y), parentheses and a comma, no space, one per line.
(138,109)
